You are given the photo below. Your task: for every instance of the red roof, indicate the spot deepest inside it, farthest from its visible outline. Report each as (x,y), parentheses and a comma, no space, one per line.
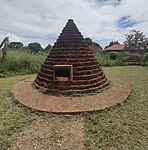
(115,47)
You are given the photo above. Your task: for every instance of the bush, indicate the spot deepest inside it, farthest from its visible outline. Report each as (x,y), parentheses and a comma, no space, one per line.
(20,62)
(123,56)
(135,58)
(113,55)
(104,60)
(145,59)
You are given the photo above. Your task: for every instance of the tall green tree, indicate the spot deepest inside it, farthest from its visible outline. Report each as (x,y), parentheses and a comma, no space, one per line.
(88,41)
(135,40)
(16,45)
(34,47)
(47,48)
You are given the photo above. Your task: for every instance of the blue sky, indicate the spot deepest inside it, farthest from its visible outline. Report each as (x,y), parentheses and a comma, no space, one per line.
(126,22)
(42,21)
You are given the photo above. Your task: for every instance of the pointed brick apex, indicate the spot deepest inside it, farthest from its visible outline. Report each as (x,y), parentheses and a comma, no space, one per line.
(70,20)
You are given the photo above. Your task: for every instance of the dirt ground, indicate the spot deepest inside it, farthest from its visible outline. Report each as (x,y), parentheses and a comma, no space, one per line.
(55,133)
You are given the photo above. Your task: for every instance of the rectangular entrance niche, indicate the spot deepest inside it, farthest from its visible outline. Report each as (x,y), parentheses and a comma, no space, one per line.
(63,73)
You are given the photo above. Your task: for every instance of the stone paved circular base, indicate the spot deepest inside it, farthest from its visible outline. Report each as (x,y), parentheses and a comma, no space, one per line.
(30,97)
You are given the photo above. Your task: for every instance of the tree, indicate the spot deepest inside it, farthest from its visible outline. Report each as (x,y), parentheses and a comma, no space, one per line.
(146,44)
(112,43)
(34,47)
(16,45)
(47,48)
(135,40)
(4,46)
(88,41)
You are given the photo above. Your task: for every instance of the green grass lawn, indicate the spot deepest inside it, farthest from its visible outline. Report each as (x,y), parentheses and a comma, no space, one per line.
(13,118)
(122,127)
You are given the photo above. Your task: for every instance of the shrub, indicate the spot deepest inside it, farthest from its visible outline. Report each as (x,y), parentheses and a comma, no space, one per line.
(136,58)
(113,55)
(20,62)
(122,56)
(104,60)
(125,58)
(145,59)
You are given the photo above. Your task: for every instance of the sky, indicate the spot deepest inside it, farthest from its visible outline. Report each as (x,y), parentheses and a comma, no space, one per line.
(43,20)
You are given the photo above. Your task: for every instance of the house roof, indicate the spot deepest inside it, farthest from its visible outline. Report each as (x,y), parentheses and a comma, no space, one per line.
(115,47)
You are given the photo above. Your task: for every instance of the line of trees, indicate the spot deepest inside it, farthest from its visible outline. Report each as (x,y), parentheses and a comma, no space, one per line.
(34,47)
(134,40)
(112,43)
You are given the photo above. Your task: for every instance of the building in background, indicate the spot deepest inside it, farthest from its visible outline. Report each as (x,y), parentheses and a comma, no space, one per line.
(115,48)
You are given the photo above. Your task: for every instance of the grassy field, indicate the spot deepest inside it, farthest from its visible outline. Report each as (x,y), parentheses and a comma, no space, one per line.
(21,62)
(122,127)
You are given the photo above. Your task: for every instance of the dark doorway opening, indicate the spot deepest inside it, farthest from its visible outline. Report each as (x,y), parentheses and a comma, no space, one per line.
(63,73)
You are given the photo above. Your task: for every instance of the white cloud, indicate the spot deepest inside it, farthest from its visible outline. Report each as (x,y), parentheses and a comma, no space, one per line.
(42,21)
(13,37)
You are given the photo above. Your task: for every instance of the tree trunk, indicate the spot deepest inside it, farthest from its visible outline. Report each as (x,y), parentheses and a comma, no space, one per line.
(3,57)
(4,45)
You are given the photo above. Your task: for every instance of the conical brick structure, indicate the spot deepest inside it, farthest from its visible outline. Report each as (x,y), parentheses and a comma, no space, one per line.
(71,66)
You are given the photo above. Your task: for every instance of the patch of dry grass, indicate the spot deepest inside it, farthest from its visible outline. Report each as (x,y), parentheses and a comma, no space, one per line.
(52,133)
